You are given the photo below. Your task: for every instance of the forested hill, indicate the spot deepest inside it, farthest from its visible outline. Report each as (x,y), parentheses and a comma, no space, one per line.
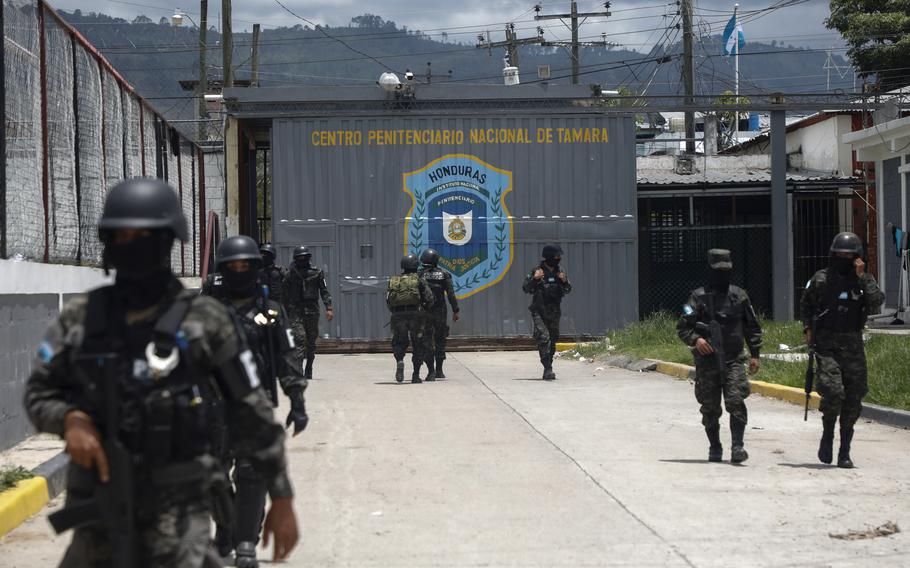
(154,56)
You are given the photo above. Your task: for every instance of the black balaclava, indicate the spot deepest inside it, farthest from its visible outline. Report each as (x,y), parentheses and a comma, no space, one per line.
(240,284)
(719,280)
(268,259)
(842,265)
(303,261)
(143,275)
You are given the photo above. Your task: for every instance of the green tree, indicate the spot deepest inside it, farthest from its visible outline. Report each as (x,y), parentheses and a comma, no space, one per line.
(878,35)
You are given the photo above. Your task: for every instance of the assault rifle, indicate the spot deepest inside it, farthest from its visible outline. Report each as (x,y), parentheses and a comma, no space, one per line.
(112,503)
(715,335)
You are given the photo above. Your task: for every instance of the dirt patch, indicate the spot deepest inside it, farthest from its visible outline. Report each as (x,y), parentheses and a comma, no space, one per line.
(886,529)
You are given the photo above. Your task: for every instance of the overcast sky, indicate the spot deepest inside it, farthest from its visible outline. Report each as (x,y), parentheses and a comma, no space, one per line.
(636,24)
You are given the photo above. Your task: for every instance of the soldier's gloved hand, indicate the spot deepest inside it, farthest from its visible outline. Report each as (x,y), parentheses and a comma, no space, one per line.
(83,443)
(860,267)
(297,416)
(754,365)
(562,277)
(704,347)
(456,316)
(538,274)
(329,314)
(281,527)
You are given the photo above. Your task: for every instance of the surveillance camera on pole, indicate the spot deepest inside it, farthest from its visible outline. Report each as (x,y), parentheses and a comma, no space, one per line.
(408,75)
(389,82)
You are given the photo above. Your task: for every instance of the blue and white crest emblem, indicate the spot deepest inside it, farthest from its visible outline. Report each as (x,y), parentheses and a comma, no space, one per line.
(458,208)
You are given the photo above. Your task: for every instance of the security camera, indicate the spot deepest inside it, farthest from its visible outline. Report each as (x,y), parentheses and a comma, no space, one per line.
(408,75)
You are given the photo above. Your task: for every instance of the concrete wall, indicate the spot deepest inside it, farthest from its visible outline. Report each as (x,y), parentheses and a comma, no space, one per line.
(820,147)
(31,295)
(215,186)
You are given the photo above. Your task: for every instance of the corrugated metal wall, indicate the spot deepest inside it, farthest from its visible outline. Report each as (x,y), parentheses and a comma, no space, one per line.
(348,202)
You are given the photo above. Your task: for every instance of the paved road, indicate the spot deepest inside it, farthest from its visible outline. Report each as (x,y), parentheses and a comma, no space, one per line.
(493,467)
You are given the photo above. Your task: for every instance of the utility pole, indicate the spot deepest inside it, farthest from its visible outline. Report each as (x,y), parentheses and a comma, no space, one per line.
(227,43)
(511,43)
(573,17)
(688,74)
(203,72)
(254,79)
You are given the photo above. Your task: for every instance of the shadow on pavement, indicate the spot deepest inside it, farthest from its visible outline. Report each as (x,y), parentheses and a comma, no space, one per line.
(407,382)
(686,461)
(808,465)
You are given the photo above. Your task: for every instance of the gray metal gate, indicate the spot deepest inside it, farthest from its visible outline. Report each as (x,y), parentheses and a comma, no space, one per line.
(356,202)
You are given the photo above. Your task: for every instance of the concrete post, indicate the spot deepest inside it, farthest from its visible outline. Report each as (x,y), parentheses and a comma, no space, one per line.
(782,267)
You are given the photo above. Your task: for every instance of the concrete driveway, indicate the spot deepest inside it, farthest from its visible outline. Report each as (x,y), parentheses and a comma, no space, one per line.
(493,467)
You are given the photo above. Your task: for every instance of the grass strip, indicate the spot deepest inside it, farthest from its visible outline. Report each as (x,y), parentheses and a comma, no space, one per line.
(10,476)
(888,356)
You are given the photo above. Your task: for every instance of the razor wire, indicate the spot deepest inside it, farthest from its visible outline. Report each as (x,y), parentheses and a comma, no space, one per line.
(24,152)
(91,157)
(63,215)
(97,133)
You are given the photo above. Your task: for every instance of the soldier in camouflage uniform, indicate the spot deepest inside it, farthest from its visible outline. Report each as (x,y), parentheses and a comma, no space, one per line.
(264,325)
(720,362)
(273,274)
(304,285)
(547,283)
(834,308)
(440,282)
(408,299)
(168,351)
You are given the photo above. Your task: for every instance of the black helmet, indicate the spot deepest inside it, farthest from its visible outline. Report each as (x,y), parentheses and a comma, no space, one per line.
(143,203)
(410,262)
(847,242)
(302,251)
(551,251)
(238,248)
(430,257)
(268,248)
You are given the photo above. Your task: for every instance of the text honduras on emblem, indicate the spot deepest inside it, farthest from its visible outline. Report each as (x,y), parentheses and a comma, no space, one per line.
(459,209)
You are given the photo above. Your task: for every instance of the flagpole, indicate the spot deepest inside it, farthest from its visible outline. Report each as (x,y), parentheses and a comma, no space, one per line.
(736,71)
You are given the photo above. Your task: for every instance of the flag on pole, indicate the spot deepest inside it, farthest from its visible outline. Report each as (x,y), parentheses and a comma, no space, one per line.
(733,43)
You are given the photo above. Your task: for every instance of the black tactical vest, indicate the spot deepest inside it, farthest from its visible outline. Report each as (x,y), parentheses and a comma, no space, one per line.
(845,304)
(162,414)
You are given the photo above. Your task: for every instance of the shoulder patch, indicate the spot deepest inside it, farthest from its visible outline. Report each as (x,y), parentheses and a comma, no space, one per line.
(808,283)
(687,309)
(45,352)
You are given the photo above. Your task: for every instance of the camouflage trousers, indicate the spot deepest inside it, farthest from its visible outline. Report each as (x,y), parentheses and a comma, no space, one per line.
(546,333)
(177,536)
(841,376)
(305,327)
(410,329)
(437,331)
(711,385)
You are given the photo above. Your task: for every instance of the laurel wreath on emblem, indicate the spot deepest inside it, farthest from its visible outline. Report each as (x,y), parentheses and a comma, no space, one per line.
(501,236)
(418,219)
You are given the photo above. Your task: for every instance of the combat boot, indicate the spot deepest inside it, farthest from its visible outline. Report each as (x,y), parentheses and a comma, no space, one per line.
(439,373)
(826,445)
(548,374)
(308,371)
(399,371)
(716,449)
(738,453)
(431,370)
(415,376)
(843,455)
(246,555)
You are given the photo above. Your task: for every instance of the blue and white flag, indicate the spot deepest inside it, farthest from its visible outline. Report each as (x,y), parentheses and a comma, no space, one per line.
(733,43)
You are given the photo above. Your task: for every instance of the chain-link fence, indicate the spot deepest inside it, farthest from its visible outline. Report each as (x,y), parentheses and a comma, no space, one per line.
(74,128)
